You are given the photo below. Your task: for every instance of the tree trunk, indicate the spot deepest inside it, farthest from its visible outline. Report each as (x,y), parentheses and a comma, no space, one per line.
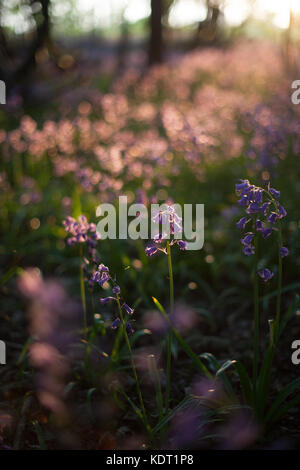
(156,35)
(42,36)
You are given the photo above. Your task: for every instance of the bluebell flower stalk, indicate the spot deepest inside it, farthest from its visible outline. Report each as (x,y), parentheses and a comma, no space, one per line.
(264,210)
(162,244)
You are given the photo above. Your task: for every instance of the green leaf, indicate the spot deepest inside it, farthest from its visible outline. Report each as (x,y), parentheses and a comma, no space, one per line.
(134,407)
(40,435)
(181,405)
(196,360)
(246,384)
(263,383)
(24,351)
(288,389)
(89,400)
(282,410)
(215,366)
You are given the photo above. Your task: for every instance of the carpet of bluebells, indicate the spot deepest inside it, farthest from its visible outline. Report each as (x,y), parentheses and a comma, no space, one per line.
(130,344)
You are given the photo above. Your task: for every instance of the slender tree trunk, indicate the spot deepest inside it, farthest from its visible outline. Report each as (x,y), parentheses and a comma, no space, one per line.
(42,36)
(156,35)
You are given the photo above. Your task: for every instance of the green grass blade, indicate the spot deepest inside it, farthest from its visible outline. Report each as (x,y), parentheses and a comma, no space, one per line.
(261,393)
(245,381)
(283,409)
(288,389)
(196,360)
(215,365)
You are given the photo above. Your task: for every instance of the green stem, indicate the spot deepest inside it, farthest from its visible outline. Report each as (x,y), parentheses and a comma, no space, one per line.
(279,286)
(154,373)
(116,346)
(256,310)
(82,292)
(133,365)
(170,337)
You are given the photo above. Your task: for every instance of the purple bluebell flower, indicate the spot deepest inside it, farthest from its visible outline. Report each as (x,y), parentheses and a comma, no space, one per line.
(151,250)
(264,207)
(257,195)
(251,197)
(158,239)
(101,275)
(116,290)
(129,328)
(96,276)
(242,186)
(248,250)
(167,215)
(182,244)
(104,300)
(273,218)
(259,226)
(104,278)
(115,324)
(241,224)
(81,230)
(247,239)
(265,274)
(103,268)
(281,211)
(253,208)
(243,201)
(284,251)
(274,192)
(266,233)
(128,309)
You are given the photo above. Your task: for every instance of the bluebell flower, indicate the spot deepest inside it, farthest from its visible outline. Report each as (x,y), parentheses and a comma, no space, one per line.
(248,250)
(116,290)
(259,226)
(253,208)
(103,268)
(242,186)
(265,274)
(104,300)
(251,197)
(274,192)
(115,324)
(247,239)
(182,244)
(257,195)
(81,231)
(104,278)
(264,207)
(128,309)
(272,218)
(166,216)
(151,250)
(243,201)
(242,223)
(284,251)
(129,328)
(266,233)
(103,275)
(282,212)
